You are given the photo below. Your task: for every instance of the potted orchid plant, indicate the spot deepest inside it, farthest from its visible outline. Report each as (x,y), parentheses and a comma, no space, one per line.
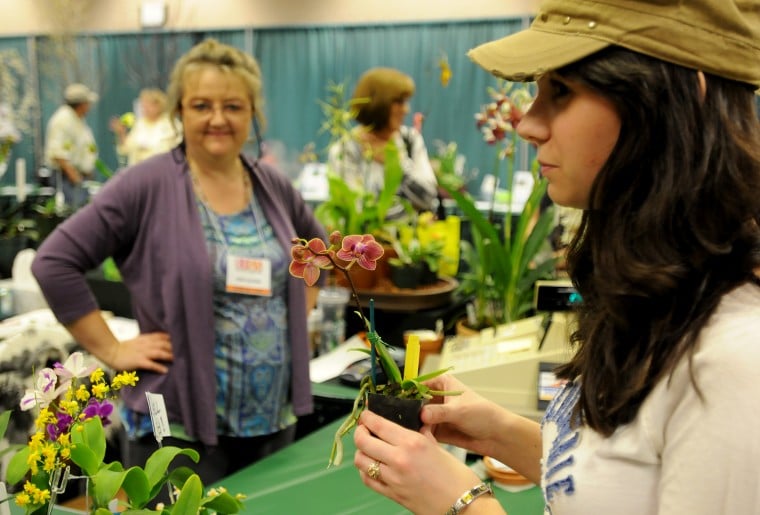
(75,404)
(385,390)
(503,265)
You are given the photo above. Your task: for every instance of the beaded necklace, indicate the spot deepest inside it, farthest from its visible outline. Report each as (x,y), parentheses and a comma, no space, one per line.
(213,217)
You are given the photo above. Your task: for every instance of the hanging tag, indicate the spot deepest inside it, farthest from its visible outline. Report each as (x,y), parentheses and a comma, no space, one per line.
(158,416)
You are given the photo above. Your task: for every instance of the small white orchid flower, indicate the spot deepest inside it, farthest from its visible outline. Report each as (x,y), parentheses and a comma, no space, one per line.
(74,367)
(44,391)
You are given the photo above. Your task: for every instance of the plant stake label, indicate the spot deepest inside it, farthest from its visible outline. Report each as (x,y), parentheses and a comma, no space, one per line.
(158,416)
(4,510)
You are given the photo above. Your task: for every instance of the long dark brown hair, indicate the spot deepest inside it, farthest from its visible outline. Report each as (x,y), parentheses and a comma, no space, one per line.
(672,226)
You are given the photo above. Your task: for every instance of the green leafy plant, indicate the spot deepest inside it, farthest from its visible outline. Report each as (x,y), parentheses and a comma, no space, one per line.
(355,210)
(15,223)
(309,258)
(415,251)
(502,266)
(70,432)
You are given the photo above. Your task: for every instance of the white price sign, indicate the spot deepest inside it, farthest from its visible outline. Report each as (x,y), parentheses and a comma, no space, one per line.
(158,415)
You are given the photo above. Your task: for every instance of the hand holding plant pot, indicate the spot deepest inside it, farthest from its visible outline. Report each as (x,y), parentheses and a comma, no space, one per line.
(309,258)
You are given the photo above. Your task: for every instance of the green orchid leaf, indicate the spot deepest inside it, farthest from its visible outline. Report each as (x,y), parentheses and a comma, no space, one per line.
(189,500)
(223,503)
(436,373)
(18,466)
(4,419)
(179,475)
(105,483)
(388,364)
(158,463)
(88,445)
(11,449)
(84,457)
(135,485)
(102,511)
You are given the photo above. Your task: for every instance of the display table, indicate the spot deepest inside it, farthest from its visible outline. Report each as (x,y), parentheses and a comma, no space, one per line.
(297,480)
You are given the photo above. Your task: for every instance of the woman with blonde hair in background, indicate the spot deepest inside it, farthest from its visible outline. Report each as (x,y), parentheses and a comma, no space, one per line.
(153,131)
(202,237)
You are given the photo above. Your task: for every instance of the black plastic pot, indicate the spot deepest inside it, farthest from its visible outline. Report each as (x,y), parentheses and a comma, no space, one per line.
(427,276)
(404,412)
(406,276)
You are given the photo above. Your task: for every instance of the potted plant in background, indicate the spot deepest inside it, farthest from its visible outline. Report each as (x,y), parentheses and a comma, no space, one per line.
(415,264)
(502,265)
(419,255)
(386,390)
(355,210)
(17,232)
(48,214)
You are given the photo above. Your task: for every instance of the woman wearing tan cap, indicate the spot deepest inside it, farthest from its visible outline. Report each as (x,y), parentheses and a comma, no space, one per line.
(645,119)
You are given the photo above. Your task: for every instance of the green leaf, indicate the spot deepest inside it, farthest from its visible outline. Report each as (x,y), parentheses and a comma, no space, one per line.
(102,511)
(179,475)
(386,361)
(189,499)
(135,485)
(103,168)
(223,503)
(4,418)
(105,483)
(88,444)
(17,467)
(158,463)
(85,458)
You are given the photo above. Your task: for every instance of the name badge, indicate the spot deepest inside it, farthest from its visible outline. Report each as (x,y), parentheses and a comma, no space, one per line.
(249,276)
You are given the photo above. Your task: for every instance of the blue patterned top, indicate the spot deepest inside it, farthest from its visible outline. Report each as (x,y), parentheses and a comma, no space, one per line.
(252,355)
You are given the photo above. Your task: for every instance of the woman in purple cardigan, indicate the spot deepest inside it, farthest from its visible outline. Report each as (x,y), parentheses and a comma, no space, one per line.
(201,236)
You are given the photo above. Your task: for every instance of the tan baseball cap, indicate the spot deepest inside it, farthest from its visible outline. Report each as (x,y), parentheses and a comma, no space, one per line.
(79,94)
(721,37)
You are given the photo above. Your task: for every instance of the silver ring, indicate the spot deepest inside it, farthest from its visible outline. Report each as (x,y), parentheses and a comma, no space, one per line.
(373,470)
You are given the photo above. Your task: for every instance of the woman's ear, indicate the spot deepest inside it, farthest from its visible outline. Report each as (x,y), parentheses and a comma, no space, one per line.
(702,85)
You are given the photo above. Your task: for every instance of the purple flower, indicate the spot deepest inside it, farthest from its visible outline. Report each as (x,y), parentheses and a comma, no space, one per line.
(102,409)
(60,427)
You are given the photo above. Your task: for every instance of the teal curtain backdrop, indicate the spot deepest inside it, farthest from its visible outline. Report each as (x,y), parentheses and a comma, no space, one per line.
(297,64)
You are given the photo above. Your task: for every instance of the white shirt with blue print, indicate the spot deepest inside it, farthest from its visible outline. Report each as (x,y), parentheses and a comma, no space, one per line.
(682,454)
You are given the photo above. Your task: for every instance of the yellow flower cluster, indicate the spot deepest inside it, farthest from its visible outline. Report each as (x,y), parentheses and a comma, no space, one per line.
(32,496)
(50,446)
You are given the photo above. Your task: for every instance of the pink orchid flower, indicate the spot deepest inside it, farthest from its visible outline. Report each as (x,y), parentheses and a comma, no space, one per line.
(363,249)
(309,260)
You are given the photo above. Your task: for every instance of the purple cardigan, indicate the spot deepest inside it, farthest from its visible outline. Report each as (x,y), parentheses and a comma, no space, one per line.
(147,219)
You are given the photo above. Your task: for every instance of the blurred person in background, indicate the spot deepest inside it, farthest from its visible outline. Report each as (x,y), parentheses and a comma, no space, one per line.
(70,148)
(152,133)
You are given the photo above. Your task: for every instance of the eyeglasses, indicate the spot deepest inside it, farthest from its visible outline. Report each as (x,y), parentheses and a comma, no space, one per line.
(202,109)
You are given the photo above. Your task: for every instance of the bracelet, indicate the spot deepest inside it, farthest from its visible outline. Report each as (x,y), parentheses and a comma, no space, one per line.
(468,497)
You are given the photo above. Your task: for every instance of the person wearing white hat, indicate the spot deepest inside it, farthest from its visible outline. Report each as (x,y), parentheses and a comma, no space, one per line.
(646,120)
(70,147)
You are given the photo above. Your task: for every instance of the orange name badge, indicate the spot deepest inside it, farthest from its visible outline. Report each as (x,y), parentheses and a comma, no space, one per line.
(249,276)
